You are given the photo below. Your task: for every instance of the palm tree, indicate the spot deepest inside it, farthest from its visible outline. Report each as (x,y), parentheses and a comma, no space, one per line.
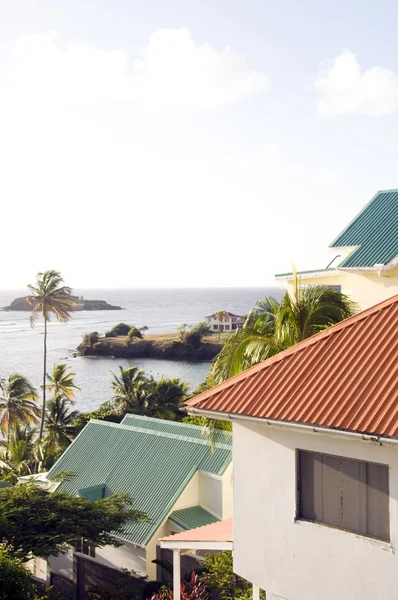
(220,315)
(61,381)
(165,397)
(49,297)
(130,390)
(273,326)
(19,456)
(59,419)
(18,400)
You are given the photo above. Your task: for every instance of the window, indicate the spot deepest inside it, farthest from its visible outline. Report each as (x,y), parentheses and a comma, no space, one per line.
(344,493)
(226,326)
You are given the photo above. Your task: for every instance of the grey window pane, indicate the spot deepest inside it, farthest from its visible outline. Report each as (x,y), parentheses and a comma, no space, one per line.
(354,497)
(331,491)
(345,493)
(378,501)
(307,484)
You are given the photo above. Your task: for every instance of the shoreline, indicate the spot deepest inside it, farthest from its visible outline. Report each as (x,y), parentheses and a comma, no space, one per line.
(167,346)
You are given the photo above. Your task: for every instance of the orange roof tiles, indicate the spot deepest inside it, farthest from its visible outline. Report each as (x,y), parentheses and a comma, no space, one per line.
(222,531)
(345,377)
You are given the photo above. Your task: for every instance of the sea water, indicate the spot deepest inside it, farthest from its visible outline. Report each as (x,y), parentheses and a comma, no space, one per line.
(161,310)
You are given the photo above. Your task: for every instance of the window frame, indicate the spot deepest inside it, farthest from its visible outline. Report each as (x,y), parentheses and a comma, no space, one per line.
(299,518)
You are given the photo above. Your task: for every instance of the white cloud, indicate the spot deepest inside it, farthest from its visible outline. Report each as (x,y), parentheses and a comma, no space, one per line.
(171,70)
(344,88)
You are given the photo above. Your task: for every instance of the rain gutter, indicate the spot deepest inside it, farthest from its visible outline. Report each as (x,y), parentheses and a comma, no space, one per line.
(223,416)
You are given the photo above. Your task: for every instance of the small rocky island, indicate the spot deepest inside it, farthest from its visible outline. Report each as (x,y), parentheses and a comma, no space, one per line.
(126,341)
(22,304)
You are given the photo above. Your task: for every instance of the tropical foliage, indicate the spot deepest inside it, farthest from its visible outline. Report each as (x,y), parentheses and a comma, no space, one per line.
(135,392)
(25,509)
(61,382)
(134,333)
(193,589)
(15,580)
(21,450)
(18,403)
(221,582)
(273,326)
(59,428)
(49,298)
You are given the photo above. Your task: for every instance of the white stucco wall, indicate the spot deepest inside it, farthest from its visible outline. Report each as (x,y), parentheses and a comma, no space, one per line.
(297,560)
(366,289)
(211,493)
(227,493)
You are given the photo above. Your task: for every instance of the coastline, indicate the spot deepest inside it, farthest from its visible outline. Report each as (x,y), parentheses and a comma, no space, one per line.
(167,346)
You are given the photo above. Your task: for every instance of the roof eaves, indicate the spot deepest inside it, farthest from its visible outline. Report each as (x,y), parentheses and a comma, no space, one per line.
(310,272)
(307,427)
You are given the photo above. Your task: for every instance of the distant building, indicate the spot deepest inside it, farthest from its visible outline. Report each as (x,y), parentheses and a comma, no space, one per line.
(229,322)
(366,254)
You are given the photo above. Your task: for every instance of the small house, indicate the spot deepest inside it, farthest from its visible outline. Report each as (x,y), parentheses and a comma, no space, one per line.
(225,321)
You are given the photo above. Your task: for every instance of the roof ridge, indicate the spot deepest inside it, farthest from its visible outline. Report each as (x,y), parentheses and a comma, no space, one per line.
(300,346)
(177,423)
(174,436)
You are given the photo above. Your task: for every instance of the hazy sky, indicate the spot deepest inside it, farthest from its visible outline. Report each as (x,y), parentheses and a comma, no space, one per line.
(190,142)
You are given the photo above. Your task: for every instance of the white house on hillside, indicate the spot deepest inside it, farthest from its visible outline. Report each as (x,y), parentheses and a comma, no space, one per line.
(315,451)
(169,470)
(227,322)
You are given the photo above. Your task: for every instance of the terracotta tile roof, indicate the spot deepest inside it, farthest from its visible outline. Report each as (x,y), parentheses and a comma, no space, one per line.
(216,532)
(345,377)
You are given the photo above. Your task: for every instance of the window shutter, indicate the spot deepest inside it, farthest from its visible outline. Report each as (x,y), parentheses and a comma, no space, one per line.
(378,501)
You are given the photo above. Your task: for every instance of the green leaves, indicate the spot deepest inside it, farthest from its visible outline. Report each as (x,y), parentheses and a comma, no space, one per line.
(273,326)
(15,580)
(17,402)
(136,393)
(32,521)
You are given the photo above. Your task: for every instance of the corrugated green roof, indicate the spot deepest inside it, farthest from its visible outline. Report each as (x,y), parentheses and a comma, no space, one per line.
(192,517)
(374,231)
(152,465)
(176,428)
(4,484)
(94,492)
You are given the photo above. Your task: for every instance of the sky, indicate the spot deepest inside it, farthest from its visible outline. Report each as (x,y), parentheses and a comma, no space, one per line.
(179,143)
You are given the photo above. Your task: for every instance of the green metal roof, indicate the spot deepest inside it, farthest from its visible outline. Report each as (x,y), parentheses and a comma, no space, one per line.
(153,465)
(94,492)
(374,231)
(190,518)
(4,484)
(176,428)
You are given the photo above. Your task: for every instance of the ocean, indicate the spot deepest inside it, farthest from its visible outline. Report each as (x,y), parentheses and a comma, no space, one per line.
(161,310)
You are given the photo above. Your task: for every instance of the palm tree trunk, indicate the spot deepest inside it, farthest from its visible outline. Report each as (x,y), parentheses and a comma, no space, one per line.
(43,414)
(8,441)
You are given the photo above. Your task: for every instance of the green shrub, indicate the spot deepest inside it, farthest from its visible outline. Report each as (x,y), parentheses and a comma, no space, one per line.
(118,330)
(15,580)
(134,333)
(89,339)
(221,581)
